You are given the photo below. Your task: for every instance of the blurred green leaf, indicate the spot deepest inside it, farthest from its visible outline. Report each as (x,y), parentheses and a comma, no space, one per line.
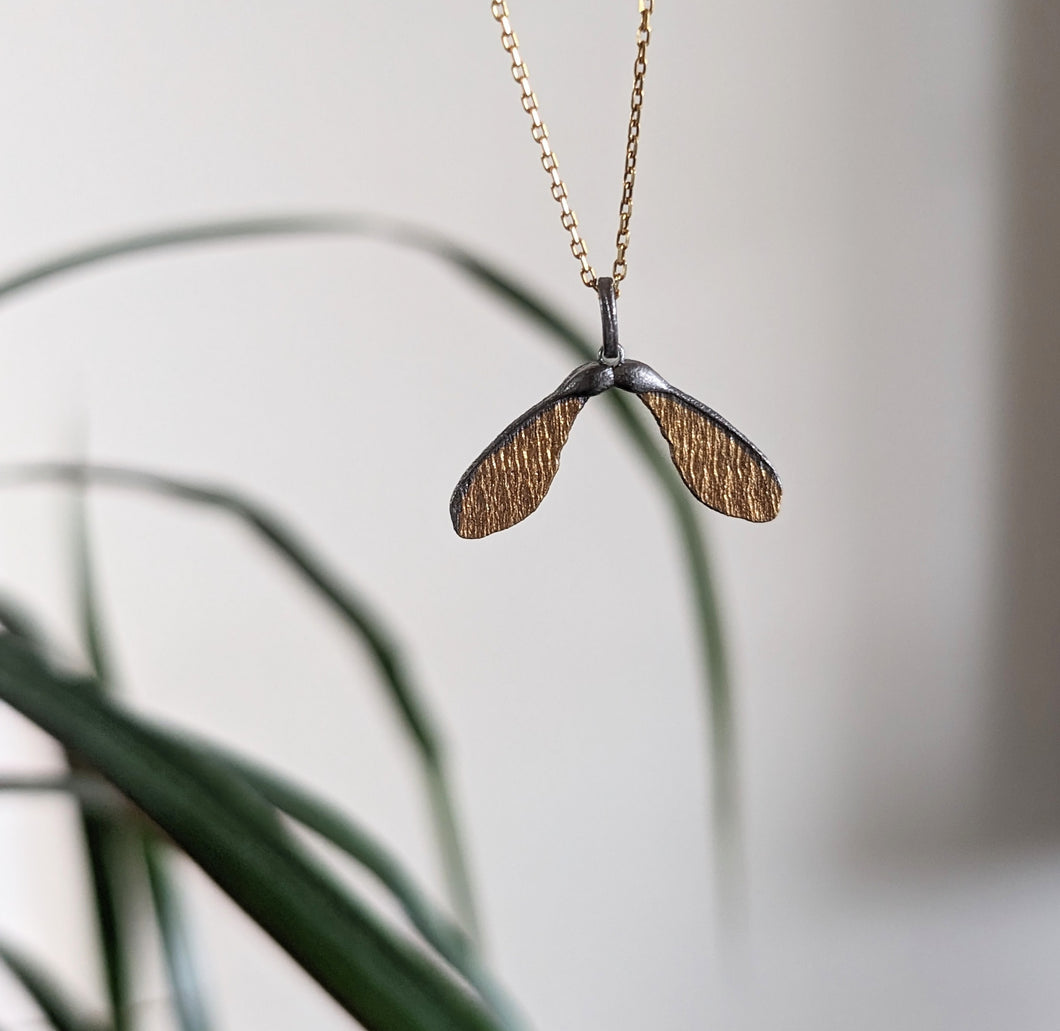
(178,950)
(108,844)
(56,1005)
(448,938)
(325,820)
(115,877)
(353,612)
(17,623)
(384,982)
(320,817)
(87,788)
(183,236)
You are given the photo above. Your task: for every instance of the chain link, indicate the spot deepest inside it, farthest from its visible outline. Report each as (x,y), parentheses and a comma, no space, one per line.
(549,162)
(636,101)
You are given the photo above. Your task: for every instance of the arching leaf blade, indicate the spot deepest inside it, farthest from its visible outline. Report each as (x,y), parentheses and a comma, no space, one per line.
(113,875)
(381,980)
(353,612)
(61,1012)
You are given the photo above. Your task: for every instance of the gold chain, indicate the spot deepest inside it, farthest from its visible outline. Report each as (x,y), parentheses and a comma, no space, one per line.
(548,156)
(636,100)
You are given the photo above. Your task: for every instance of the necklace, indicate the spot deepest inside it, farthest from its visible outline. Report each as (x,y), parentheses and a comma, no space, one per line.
(717,463)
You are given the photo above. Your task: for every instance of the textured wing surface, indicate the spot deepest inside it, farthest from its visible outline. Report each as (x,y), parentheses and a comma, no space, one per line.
(512,476)
(718,464)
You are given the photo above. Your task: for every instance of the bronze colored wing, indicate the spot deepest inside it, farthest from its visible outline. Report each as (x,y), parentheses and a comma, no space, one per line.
(512,476)
(718,463)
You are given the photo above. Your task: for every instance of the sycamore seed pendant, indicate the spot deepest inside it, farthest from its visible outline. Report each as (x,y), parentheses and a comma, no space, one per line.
(718,464)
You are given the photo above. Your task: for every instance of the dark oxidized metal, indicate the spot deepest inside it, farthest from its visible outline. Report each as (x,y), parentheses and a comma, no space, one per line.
(717,463)
(610,353)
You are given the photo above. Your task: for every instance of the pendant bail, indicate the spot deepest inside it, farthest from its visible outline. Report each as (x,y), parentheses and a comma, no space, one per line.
(611,352)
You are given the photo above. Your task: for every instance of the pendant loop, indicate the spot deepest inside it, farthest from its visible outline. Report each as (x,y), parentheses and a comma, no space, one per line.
(611,352)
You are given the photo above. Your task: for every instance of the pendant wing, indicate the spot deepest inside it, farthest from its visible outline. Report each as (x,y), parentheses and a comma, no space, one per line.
(512,476)
(718,463)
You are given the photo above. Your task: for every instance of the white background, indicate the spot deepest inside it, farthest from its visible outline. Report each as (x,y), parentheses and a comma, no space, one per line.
(817,251)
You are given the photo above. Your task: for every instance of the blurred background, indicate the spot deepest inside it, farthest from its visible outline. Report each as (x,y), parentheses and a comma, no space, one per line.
(846,239)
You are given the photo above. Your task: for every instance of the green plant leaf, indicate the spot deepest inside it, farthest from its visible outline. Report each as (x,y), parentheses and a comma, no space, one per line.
(446,937)
(15,621)
(88,789)
(178,951)
(108,845)
(115,877)
(188,235)
(381,980)
(311,812)
(107,849)
(56,1005)
(353,612)
(324,819)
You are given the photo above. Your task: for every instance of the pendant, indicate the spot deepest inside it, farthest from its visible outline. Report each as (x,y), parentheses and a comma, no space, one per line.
(717,463)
